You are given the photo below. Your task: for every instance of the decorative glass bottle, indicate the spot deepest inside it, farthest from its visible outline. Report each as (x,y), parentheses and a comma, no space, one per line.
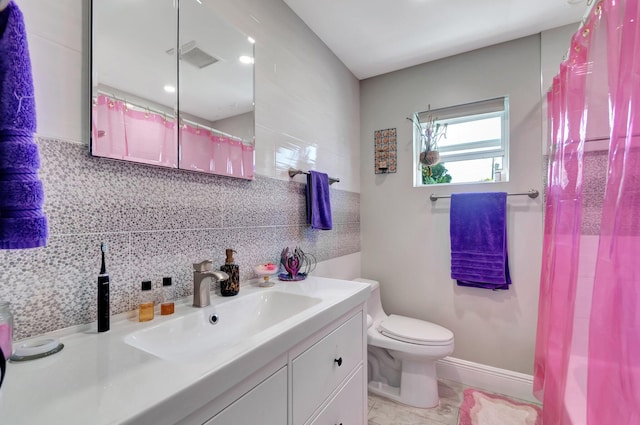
(167,305)
(6,328)
(146,303)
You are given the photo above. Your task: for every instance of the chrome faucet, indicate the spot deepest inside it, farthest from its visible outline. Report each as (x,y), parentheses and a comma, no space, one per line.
(203,276)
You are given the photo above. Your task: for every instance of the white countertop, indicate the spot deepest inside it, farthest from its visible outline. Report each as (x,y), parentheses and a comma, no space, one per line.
(99,379)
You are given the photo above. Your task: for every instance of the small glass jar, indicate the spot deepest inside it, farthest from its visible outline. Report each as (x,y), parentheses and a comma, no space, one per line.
(167,305)
(146,304)
(6,328)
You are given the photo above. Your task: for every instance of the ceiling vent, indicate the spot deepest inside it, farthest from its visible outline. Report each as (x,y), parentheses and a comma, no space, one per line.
(195,56)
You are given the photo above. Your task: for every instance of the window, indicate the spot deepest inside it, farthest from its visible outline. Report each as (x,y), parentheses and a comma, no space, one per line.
(474,148)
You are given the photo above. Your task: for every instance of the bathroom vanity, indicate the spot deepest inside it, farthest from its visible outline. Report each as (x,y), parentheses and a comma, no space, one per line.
(291,354)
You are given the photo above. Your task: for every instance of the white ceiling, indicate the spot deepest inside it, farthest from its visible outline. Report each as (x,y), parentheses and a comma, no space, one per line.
(373,37)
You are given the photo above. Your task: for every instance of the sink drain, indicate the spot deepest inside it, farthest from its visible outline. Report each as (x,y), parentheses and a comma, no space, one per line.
(213,319)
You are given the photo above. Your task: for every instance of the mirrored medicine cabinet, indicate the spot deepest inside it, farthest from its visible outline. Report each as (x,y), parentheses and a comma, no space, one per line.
(172,85)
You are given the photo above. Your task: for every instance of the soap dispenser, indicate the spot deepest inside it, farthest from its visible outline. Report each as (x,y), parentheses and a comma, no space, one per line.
(231,286)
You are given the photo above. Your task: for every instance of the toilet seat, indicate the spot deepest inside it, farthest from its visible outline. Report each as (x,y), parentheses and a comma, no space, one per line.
(414,331)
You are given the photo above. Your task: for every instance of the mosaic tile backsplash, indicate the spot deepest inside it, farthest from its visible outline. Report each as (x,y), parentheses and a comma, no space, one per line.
(156,222)
(593,186)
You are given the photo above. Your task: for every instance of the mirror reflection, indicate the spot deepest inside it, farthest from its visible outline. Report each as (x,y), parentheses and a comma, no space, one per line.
(192,110)
(216,93)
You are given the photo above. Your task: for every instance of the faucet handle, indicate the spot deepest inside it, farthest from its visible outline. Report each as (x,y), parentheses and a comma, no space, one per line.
(205,266)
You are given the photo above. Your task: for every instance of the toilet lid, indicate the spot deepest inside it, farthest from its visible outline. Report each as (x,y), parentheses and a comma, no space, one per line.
(415,331)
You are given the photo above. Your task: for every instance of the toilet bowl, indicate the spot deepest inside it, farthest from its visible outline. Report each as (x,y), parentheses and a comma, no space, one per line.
(402,354)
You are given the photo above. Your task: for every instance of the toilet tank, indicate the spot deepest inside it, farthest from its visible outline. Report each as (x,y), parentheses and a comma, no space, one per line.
(374,304)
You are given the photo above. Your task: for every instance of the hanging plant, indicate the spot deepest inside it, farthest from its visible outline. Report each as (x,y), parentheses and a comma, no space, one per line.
(430,132)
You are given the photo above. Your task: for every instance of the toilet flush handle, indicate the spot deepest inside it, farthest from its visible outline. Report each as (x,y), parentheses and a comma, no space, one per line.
(339,361)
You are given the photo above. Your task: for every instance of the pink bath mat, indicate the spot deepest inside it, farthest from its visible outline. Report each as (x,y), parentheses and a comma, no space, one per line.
(479,408)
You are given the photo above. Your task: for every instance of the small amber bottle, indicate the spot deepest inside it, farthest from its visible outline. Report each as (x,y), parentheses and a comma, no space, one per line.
(167,306)
(146,302)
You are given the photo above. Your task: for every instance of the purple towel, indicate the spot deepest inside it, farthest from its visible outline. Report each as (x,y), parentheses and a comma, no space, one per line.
(318,201)
(478,230)
(22,222)
(17,104)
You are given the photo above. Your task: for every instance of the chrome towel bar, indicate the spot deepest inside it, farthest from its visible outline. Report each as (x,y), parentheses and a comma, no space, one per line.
(532,193)
(294,172)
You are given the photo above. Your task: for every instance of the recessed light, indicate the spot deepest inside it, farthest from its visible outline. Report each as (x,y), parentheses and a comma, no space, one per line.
(246,59)
(169,89)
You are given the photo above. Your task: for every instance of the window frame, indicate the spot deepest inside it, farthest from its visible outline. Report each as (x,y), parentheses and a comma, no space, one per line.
(469,112)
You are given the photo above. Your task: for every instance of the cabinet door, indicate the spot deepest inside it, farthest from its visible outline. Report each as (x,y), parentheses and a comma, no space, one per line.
(266,404)
(318,371)
(346,408)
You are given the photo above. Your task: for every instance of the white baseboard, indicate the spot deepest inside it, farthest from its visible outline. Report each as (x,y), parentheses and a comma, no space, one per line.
(501,381)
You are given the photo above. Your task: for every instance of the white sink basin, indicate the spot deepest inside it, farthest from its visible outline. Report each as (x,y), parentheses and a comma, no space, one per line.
(196,336)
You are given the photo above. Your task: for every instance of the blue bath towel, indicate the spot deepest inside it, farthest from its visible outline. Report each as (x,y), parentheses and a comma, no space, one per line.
(478,230)
(318,201)
(22,222)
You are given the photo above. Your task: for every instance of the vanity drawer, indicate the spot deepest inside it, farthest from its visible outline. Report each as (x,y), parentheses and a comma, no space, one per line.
(265,404)
(347,406)
(318,371)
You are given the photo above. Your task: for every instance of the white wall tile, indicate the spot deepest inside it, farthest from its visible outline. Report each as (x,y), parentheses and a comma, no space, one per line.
(58,76)
(58,21)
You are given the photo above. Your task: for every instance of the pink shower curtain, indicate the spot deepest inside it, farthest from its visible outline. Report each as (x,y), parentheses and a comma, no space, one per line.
(144,136)
(109,138)
(196,149)
(120,132)
(603,66)
(151,138)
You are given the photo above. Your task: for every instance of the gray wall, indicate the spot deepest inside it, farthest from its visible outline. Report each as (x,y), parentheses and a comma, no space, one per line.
(158,222)
(405,237)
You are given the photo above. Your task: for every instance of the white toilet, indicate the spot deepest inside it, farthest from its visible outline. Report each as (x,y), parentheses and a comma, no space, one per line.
(402,354)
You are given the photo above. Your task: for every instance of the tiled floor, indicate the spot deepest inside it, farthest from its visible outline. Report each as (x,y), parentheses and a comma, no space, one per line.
(386,412)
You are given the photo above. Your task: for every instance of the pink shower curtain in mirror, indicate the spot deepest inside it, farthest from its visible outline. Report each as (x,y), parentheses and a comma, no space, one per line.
(121,132)
(151,138)
(603,67)
(109,139)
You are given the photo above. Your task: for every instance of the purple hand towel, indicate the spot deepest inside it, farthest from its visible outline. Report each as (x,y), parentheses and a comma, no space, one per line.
(478,230)
(318,201)
(22,222)
(17,103)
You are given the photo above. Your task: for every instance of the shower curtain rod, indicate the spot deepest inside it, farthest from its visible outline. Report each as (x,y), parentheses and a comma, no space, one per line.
(532,193)
(587,13)
(136,105)
(590,5)
(206,127)
(169,115)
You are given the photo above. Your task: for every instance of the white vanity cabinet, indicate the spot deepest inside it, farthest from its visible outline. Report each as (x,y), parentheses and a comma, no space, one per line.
(264,404)
(319,372)
(294,354)
(345,407)
(320,381)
